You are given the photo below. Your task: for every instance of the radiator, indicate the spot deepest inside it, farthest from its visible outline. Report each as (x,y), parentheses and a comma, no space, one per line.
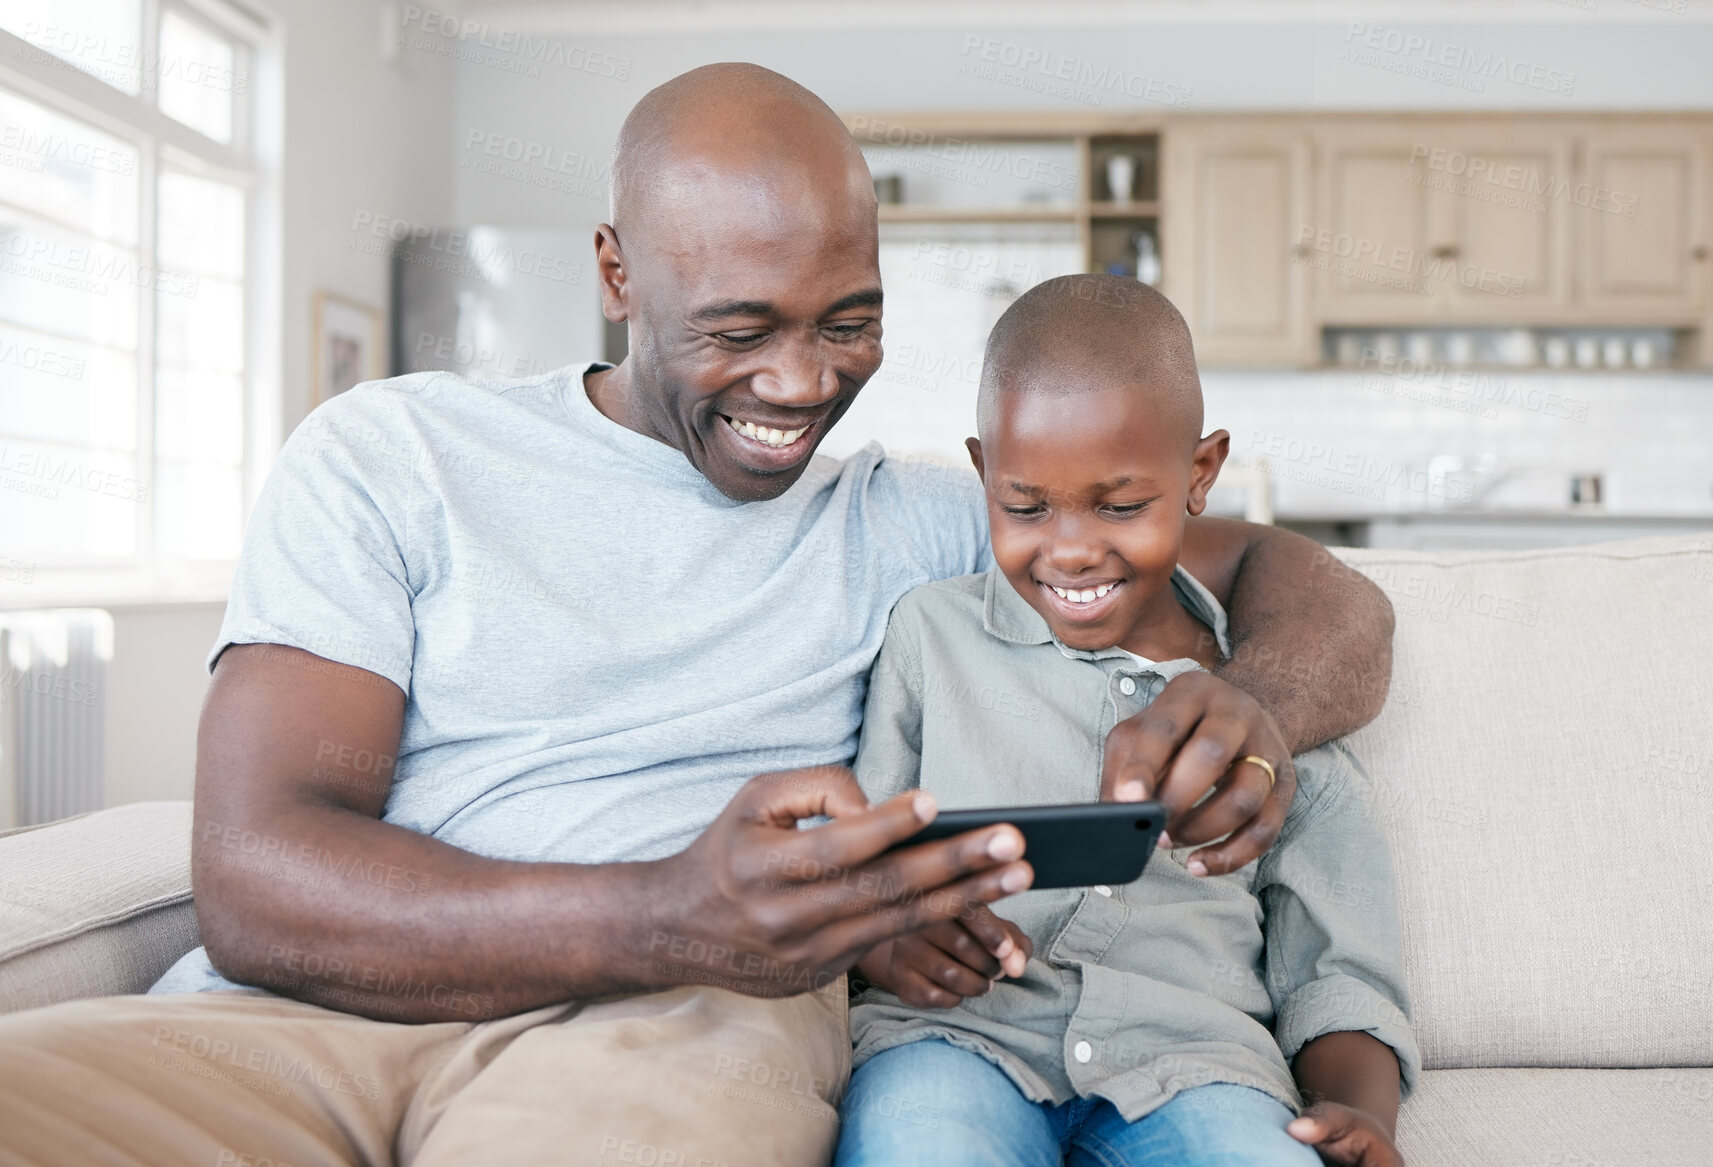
(53,713)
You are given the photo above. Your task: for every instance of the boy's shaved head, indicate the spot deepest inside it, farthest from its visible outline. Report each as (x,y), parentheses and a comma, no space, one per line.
(1079,333)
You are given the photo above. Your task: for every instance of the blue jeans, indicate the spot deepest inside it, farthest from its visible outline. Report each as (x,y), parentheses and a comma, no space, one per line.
(932,1103)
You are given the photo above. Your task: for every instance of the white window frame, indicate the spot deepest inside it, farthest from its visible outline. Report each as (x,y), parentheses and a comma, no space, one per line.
(251,161)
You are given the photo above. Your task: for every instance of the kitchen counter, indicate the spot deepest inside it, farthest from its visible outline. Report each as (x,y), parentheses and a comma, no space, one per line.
(1495,529)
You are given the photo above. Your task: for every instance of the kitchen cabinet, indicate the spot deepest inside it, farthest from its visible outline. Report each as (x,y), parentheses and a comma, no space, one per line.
(1426,221)
(1235,198)
(1642,212)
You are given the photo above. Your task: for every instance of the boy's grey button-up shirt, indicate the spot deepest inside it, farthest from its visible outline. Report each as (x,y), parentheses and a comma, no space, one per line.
(1137,992)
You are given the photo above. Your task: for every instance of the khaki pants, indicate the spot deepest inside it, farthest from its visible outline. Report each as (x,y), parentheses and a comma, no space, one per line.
(688,1077)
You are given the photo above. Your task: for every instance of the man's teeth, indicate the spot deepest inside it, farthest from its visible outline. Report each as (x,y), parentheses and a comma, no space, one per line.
(1085,595)
(763,434)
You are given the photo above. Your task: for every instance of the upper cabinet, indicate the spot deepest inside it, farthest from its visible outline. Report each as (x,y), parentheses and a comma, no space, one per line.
(1642,210)
(1270,229)
(1235,197)
(1428,221)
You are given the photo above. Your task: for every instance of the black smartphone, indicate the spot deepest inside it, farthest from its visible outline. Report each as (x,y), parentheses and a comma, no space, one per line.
(1077,844)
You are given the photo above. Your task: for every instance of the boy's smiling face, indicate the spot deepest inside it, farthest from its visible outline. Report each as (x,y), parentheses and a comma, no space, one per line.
(1087,493)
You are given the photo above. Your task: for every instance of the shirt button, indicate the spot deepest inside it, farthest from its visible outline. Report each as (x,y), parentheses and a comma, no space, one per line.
(1083,1051)
(1103,889)
(1127,686)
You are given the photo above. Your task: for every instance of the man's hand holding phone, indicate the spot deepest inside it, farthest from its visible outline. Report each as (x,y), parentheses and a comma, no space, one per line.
(761,907)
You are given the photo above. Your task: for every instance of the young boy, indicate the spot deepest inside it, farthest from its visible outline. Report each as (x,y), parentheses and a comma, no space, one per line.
(1162,1021)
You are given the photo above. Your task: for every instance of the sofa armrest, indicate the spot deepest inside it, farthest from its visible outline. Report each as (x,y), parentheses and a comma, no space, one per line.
(95,905)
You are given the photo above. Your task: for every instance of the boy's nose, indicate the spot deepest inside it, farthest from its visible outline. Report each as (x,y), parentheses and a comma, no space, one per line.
(1071,547)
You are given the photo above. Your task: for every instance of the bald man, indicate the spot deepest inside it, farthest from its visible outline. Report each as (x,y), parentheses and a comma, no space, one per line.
(614,625)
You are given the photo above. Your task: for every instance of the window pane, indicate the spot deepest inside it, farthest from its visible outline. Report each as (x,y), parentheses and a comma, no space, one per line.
(199,416)
(197,512)
(100,37)
(66,171)
(201,325)
(65,503)
(63,391)
(68,284)
(201,226)
(196,77)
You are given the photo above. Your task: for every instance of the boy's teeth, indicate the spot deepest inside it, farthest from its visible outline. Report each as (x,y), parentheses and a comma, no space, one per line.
(1082,595)
(764,435)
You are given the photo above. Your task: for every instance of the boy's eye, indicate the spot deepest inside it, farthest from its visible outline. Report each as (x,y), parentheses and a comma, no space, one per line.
(1129,508)
(1024,512)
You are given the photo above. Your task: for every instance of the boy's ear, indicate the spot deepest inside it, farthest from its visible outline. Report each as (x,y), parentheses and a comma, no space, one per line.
(1204,468)
(973,445)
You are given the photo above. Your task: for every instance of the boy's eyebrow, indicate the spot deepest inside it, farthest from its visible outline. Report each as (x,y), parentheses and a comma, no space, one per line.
(1097,488)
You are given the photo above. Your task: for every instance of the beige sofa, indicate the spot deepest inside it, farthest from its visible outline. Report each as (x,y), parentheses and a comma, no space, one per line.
(1545,773)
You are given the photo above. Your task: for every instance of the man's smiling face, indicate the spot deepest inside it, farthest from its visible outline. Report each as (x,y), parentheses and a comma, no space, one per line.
(757,339)
(744,257)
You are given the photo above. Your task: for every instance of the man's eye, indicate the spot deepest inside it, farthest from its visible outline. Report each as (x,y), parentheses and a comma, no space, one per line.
(741,337)
(847,330)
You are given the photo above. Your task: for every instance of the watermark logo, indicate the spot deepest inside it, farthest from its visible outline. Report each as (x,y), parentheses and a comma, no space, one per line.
(1073,79)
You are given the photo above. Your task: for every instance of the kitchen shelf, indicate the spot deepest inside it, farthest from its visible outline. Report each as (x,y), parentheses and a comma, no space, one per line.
(1065,155)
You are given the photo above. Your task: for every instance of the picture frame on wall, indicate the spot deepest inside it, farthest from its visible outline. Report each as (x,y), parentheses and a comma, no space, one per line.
(347,345)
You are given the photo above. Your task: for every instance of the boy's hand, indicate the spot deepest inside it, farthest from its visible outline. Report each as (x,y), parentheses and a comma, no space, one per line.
(1342,1134)
(939,966)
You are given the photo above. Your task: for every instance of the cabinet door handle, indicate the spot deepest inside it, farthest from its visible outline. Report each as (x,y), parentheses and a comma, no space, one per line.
(1447,252)
(1698,253)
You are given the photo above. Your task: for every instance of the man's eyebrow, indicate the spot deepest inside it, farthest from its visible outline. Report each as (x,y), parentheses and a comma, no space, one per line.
(724,308)
(868,298)
(721,309)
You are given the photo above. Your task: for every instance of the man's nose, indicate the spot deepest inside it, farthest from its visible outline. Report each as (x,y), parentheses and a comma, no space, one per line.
(798,375)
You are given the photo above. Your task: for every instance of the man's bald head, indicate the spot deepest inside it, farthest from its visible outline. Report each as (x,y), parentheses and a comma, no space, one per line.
(1080,333)
(736,125)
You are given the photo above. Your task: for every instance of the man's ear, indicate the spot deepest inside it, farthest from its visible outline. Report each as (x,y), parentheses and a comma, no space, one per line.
(614,277)
(973,445)
(1204,468)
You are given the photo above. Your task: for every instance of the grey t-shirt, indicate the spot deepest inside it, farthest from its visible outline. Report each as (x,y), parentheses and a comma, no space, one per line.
(598,647)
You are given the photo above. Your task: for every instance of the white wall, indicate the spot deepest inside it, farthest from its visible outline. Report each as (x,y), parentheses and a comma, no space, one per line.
(155,686)
(362,136)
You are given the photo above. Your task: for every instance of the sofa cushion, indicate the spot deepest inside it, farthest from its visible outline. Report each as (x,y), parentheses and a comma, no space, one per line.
(93,905)
(1544,770)
(1558,1118)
